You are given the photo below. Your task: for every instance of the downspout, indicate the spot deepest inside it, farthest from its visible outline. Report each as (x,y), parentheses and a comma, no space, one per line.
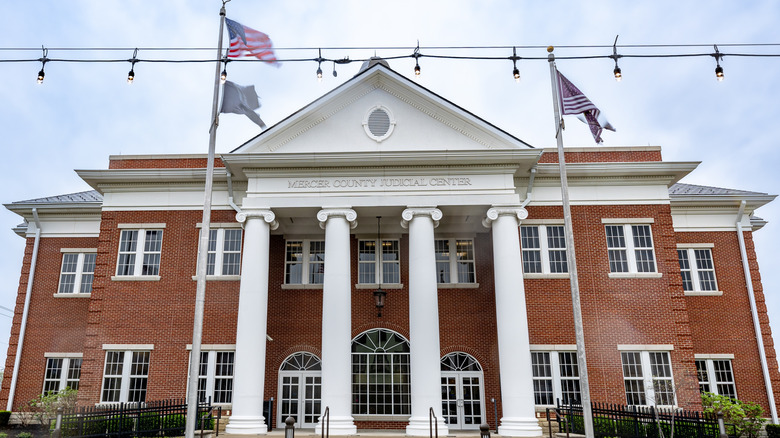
(530,187)
(754,313)
(230,189)
(20,342)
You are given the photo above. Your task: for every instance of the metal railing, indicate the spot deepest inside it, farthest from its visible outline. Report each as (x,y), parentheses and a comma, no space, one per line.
(433,424)
(325,429)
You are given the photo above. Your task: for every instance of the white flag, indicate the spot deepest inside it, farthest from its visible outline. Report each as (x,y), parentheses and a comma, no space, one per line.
(239,99)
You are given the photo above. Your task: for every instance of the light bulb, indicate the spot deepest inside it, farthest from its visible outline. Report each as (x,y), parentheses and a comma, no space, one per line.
(618,73)
(223,76)
(41,74)
(719,73)
(130,76)
(516,74)
(417,69)
(319,74)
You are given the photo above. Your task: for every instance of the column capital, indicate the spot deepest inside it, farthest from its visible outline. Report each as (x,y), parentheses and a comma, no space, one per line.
(347,213)
(267,215)
(504,210)
(410,212)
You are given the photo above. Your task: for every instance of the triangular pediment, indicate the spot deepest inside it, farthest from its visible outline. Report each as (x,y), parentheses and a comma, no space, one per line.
(379,110)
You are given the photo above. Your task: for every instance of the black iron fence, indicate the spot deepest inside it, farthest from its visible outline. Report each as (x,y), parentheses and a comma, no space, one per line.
(166,418)
(620,421)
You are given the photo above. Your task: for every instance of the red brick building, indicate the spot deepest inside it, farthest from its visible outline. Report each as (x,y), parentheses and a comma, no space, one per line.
(383,185)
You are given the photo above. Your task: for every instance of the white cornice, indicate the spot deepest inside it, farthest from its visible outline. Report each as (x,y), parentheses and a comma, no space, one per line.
(96,178)
(672,171)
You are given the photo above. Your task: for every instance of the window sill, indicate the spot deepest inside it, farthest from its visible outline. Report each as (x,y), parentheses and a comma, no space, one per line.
(709,293)
(301,286)
(376,286)
(635,275)
(458,285)
(533,275)
(135,278)
(73,295)
(219,277)
(378,417)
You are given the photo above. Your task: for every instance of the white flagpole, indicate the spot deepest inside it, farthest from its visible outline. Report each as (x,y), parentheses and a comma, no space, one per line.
(203,244)
(570,256)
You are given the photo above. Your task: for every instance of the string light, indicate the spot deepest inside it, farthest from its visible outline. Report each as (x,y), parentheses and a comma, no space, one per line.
(334,69)
(417,56)
(319,60)
(718,69)
(41,75)
(44,59)
(223,76)
(131,73)
(515,71)
(617,72)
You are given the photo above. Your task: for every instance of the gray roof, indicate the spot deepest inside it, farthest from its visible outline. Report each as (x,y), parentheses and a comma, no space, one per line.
(87,196)
(691,189)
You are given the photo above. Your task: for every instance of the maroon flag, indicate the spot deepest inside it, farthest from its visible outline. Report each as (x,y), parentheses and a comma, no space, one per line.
(245,41)
(573,101)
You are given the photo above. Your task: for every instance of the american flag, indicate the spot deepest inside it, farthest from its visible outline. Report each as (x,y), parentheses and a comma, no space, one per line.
(245,41)
(573,101)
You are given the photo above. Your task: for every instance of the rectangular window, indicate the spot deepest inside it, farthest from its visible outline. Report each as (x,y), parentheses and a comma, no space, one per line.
(139,252)
(379,262)
(630,248)
(77,273)
(647,376)
(215,377)
(224,252)
(555,376)
(61,373)
(716,376)
(304,262)
(544,249)
(455,255)
(700,275)
(125,376)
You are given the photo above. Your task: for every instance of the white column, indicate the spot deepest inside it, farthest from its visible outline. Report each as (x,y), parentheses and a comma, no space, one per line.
(337,321)
(514,354)
(424,364)
(249,370)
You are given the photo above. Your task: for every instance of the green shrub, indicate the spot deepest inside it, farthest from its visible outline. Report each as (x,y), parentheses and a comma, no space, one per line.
(3,435)
(773,430)
(24,435)
(205,422)
(149,424)
(173,425)
(747,417)
(92,426)
(120,426)
(4,416)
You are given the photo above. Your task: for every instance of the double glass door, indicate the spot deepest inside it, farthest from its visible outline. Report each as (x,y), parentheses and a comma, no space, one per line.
(299,397)
(462,399)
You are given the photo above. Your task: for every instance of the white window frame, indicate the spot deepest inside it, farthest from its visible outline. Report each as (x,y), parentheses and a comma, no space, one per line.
(139,252)
(125,377)
(553,352)
(544,251)
(696,272)
(647,378)
(305,262)
(64,380)
(220,251)
(630,249)
(211,371)
(78,283)
(712,377)
(452,250)
(378,261)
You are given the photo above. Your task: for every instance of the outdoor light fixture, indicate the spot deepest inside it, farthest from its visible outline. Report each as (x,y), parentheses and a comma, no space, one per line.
(718,69)
(43,60)
(319,74)
(417,56)
(131,73)
(617,72)
(516,74)
(319,66)
(334,70)
(514,58)
(130,76)
(379,294)
(41,75)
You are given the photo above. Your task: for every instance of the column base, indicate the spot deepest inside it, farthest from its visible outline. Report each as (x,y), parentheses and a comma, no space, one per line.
(421,426)
(246,425)
(338,426)
(520,426)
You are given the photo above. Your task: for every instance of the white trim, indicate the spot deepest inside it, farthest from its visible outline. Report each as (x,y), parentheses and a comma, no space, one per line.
(628,221)
(553,347)
(452,251)
(214,225)
(376,285)
(709,293)
(141,226)
(214,347)
(84,250)
(59,355)
(645,347)
(636,274)
(713,356)
(219,277)
(457,285)
(129,347)
(72,295)
(135,278)
(537,275)
(317,286)
(695,245)
(542,221)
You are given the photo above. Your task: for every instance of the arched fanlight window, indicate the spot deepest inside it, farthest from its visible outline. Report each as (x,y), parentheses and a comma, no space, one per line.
(459,362)
(301,361)
(380,374)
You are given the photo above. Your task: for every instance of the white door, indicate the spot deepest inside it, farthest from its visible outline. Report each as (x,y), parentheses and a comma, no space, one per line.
(462,392)
(300,390)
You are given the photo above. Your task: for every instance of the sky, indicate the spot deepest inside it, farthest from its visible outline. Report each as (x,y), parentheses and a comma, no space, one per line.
(85,112)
